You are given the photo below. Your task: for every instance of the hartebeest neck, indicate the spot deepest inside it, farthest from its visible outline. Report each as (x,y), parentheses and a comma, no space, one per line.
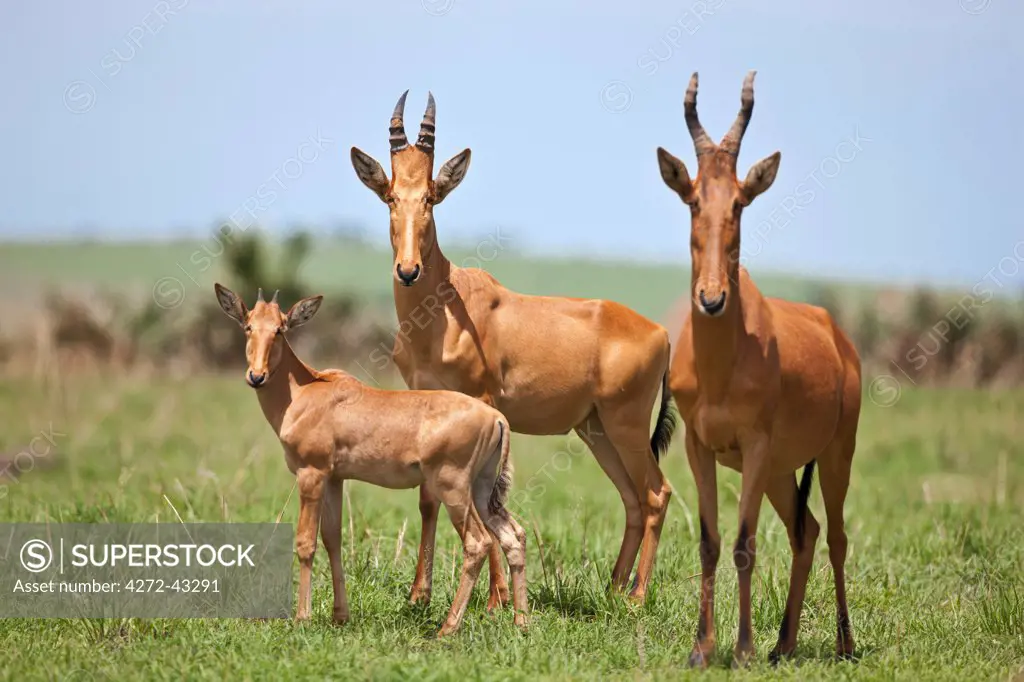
(283,385)
(415,305)
(715,344)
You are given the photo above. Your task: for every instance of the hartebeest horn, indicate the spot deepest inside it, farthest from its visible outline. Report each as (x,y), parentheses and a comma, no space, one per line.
(701,142)
(398,139)
(732,139)
(426,139)
(259,295)
(274,299)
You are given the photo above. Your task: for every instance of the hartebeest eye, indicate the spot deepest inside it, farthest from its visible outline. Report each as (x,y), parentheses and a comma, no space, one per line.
(248,328)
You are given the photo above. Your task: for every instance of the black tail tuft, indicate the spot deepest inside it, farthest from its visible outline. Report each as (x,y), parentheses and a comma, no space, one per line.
(666,424)
(504,481)
(802,493)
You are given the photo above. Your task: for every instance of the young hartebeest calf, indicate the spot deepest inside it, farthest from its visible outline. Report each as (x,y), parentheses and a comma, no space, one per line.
(764,386)
(333,427)
(549,364)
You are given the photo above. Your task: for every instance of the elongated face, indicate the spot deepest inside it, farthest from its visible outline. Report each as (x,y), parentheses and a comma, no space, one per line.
(264,328)
(411,193)
(716,199)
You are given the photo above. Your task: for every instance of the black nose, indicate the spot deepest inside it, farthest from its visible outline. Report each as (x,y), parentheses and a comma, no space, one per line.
(256,379)
(712,307)
(407,278)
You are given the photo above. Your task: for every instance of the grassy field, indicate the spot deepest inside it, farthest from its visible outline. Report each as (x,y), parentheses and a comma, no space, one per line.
(934,569)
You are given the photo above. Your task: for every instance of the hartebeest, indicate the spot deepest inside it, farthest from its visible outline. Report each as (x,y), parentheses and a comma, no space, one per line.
(549,364)
(764,386)
(333,427)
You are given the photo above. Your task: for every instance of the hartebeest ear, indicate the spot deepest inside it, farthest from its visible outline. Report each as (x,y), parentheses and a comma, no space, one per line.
(231,304)
(675,175)
(760,177)
(450,175)
(303,311)
(370,173)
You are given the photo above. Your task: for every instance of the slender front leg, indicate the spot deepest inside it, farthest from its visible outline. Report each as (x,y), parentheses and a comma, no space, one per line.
(755,481)
(311,484)
(702,464)
(330,532)
(423,583)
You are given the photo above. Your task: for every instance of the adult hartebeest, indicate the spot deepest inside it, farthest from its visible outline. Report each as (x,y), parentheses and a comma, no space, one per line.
(333,427)
(548,364)
(764,386)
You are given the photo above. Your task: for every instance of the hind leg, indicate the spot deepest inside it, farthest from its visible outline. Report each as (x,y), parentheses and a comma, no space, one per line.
(592,432)
(510,536)
(630,435)
(835,481)
(782,493)
(476,544)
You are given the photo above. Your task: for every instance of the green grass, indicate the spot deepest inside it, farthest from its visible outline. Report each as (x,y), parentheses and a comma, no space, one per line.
(934,570)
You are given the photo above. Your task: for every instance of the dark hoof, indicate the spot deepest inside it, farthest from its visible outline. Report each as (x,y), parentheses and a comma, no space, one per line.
(777,655)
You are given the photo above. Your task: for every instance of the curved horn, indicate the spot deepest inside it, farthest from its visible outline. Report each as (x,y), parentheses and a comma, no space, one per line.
(426,139)
(732,139)
(259,295)
(397,129)
(701,142)
(274,299)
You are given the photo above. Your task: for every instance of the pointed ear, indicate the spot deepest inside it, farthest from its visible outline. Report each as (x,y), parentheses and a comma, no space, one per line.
(675,175)
(231,304)
(370,173)
(450,175)
(303,311)
(760,177)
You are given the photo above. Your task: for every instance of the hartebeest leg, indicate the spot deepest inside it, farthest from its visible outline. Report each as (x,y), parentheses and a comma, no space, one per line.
(511,538)
(592,432)
(476,544)
(755,480)
(702,464)
(423,583)
(782,493)
(310,484)
(834,475)
(330,533)
(629,431)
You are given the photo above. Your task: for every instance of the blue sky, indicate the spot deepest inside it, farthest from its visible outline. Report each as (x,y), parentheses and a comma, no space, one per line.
(142,119)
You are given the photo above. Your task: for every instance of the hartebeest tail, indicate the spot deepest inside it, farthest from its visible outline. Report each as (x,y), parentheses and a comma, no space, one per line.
(504,481)
(802,495)
(666,424)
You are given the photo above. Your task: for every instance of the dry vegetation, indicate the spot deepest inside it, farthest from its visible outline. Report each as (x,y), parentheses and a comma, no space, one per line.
(929,338)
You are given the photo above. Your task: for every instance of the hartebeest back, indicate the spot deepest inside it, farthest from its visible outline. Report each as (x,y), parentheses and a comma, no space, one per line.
(549,364)
(764,386)
(333,427)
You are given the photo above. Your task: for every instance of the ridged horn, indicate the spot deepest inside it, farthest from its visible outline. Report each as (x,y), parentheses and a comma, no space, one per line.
(274,299)
(259,295)
(732,139)
(397,129)
(701,141)
(427,127)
